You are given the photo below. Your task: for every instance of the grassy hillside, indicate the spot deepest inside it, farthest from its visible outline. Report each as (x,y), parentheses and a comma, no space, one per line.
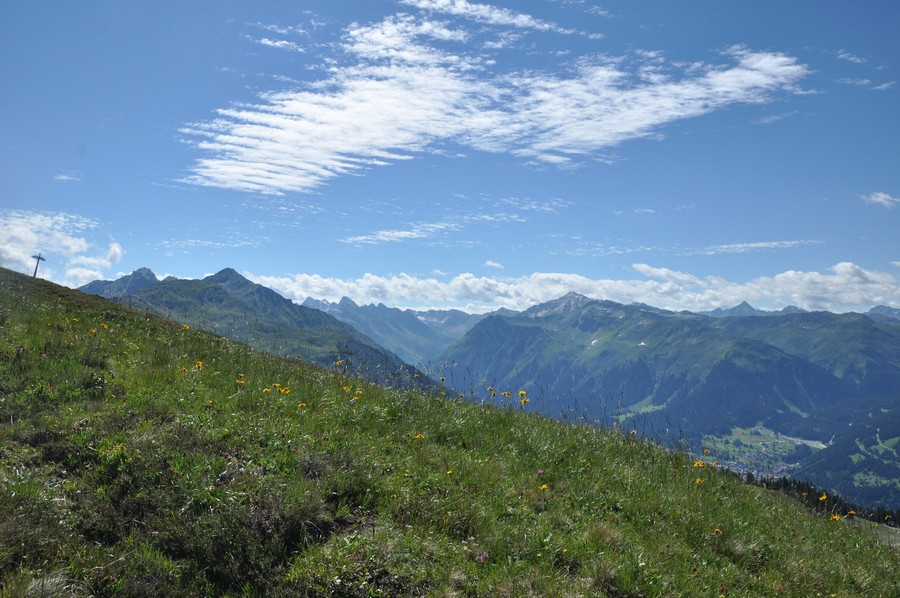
(228,304)
(141,458)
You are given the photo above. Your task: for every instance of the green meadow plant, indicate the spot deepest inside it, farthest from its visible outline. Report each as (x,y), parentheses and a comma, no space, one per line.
(143,457)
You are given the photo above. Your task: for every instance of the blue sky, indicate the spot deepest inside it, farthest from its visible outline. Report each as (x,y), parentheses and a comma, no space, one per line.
(437,153)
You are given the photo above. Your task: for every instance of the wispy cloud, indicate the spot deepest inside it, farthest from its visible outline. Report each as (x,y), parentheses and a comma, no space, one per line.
(755,246)
(61,238)
(485,13)
(279,29)
(857,82)
(69,176)
(868,83)
(773,118)
(849,57)
(418,231)
(281,44)
(843,287)
(187,245)
(880,198)
(399,89)
(430,230)
(493,264)
(530,205)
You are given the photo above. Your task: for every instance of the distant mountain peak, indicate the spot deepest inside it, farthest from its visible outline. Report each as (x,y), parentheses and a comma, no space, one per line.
(568,303)
(744,309)
(347,302)
(226,274)
(144,273)
(126,285)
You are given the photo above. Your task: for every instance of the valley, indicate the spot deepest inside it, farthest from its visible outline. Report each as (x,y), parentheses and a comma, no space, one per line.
(788,393)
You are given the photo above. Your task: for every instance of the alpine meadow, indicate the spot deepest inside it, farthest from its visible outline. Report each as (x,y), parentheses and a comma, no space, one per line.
(446,298)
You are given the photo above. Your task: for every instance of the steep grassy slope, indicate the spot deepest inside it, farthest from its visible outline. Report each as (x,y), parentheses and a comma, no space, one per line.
(228,304)
(141,458)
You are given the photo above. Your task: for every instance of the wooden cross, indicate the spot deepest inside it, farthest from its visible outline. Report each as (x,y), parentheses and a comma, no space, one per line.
(39,259)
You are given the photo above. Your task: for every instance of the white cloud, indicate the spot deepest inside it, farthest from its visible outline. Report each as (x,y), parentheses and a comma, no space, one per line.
(76,277)
(279,29)
(281,44)
(394,94)
(755,246)
(845,286)
(773,118)
(68,177)
(881,198)
(429,230)
(493,264)
(113,255)
(485,13)
(858,82)
(845,55)
(418,231)
(885,86)
(59,237)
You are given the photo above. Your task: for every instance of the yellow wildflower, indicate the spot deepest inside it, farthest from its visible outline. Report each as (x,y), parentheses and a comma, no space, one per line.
(185,327)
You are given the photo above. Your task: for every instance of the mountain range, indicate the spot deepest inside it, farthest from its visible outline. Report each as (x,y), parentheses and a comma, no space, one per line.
(824,380)
(228,304)
(414,336)
(811,394)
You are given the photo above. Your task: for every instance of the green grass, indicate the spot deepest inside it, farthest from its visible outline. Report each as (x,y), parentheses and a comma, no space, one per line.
(127,468)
